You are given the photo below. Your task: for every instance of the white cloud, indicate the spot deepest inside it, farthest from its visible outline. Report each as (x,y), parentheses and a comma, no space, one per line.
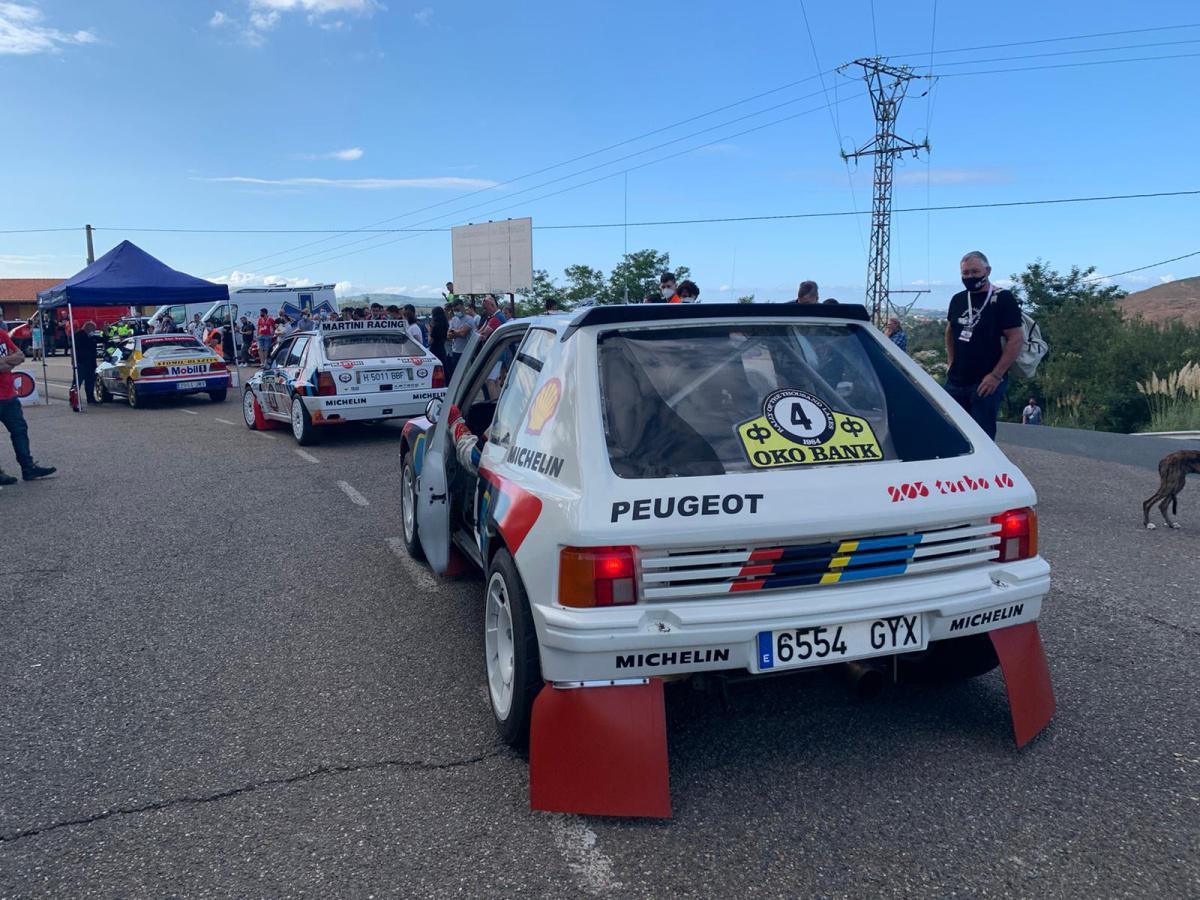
(423,16)
(23,33)
(241,279)
(954,176)
(342,288)
(361,184)
(263,16)
(350,154)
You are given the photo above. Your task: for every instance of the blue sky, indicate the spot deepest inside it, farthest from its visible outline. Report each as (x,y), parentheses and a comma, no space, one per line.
(339,113)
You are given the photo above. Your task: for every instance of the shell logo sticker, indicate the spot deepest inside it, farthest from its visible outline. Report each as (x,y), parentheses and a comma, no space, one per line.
(24,384)
(545,405)
(797,429)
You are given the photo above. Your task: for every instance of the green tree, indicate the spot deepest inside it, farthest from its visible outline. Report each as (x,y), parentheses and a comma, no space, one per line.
(636,276)
(533,301)
(583,283)
(746,298)
(1043,290)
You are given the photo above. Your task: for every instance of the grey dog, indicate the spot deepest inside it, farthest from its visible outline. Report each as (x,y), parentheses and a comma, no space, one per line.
(1173,470)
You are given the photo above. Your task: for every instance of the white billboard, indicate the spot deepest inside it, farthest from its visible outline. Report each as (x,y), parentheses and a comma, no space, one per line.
(493,258)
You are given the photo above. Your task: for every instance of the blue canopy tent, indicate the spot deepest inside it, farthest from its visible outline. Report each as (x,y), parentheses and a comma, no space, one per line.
(126,276)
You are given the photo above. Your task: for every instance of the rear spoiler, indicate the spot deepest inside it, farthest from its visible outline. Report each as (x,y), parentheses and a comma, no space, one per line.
(691,312)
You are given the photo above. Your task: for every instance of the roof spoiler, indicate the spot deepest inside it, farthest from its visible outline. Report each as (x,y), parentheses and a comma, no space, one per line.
(667,312)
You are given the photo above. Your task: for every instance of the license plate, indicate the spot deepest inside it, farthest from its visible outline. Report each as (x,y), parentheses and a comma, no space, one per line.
(792,648)
(189,385)
(387,376)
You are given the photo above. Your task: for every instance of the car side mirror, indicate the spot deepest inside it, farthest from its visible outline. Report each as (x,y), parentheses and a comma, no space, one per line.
(433,409)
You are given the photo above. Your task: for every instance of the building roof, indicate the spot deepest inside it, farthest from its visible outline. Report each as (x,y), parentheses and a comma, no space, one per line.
(24,290)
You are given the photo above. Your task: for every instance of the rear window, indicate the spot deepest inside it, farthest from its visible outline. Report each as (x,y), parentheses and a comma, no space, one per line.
(159,343)
(711,399)
(371,345)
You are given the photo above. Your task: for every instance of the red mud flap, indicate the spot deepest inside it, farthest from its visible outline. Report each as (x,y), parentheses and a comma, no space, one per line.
(261,422)
(1027,678)
(600,751)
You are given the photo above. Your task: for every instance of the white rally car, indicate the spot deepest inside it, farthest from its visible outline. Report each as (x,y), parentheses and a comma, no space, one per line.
(141,368)
(364,371)
(661,490)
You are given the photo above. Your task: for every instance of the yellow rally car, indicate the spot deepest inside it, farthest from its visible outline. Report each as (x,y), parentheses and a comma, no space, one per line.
(150,366)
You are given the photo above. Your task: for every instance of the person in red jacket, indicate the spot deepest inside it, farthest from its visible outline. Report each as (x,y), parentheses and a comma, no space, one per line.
(264,334)
(12,417)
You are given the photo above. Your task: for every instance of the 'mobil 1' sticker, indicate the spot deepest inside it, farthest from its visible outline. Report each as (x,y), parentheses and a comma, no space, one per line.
(799,429)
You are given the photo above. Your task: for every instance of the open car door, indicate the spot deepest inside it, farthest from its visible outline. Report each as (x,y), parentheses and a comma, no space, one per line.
(433,492)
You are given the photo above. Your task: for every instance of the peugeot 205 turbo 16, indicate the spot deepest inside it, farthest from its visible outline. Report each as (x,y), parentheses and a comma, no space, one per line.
(149,367)
(338,372)
(658,491)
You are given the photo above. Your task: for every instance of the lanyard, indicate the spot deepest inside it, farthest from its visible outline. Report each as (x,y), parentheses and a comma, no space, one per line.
(973,315)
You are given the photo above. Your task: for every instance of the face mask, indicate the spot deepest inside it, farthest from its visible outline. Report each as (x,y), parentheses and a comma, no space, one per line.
(972,283)
(668,293)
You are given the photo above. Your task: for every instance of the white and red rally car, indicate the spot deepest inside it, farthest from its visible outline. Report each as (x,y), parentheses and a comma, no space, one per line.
(337,372)
(661,490)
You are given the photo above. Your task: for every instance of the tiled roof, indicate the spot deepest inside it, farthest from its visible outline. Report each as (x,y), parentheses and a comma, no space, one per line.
(25,290)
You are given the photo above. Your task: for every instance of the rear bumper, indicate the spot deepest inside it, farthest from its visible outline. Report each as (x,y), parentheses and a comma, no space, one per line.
(707,635)
(156,387)
(360,407)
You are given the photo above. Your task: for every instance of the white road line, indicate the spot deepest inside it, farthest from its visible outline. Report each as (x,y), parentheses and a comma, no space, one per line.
(577,844)
(417,572)
(226,422)
(354,495)
(263,434)
(190,412)
(304,454)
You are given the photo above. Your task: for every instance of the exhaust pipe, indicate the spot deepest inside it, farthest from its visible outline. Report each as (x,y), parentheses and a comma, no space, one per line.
(865,678)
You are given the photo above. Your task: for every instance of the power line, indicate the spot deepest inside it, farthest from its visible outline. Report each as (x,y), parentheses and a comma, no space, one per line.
(622,143)
(573,187)
(1097,62)
(1052,53)
(1153,265)
(1053,40)
(39,230)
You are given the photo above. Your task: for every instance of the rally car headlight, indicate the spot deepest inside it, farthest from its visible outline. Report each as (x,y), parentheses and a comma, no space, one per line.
(597,576)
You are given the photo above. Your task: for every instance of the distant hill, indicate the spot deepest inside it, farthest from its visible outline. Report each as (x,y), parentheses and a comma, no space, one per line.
(1175,300)
(387,300)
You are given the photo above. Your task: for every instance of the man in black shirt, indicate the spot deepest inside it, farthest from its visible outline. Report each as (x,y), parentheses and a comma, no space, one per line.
(85,360)
(983,337)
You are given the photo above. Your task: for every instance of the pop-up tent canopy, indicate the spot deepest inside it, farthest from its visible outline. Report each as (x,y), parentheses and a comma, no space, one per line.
(127,276)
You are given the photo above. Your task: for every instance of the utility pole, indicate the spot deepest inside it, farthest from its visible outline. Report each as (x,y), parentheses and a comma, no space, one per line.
(888,85)
(91,253)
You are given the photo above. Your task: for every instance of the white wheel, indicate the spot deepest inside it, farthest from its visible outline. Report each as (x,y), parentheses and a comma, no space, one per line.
(302,427)
(498,645)
(408,508)
(248,409)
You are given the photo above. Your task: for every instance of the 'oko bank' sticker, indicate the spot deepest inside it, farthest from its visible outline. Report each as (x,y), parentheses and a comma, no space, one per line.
(798,429)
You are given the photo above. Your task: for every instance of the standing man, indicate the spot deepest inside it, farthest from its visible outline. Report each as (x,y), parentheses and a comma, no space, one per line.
(448,293)
(196,328)
(264,333)
(461,327)
(1032,413)
(246,331)
(12,417)
(984,337)
(688,292)
(85,360)
(895,333)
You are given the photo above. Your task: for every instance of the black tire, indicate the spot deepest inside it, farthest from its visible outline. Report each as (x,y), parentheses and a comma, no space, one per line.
(948,661)
(513,723)
(218,396)
(131,396)
(303,429)
(408,504)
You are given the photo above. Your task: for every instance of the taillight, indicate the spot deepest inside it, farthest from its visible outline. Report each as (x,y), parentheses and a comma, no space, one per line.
(216,367)
(597,576)
(1018,533)
(439,377)
(154,370)
(325,385)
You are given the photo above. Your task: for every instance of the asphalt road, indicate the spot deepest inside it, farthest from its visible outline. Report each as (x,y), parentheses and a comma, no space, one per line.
(222,678)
